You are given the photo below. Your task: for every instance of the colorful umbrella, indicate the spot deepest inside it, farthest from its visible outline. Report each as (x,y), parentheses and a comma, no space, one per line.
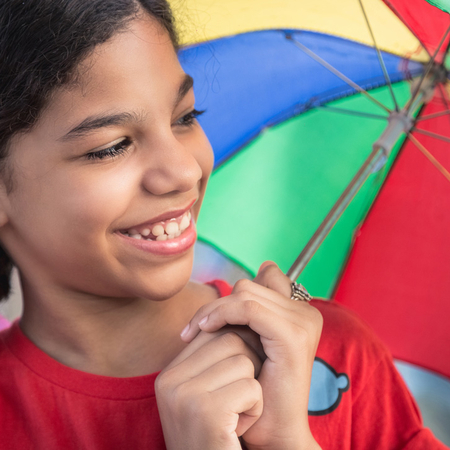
(296,94)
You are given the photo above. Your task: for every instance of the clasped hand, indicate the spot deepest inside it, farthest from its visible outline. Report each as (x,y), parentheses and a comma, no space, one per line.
(246,371)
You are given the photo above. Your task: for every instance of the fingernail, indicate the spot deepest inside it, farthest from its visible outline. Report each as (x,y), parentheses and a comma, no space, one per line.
(185,330)
(203,321)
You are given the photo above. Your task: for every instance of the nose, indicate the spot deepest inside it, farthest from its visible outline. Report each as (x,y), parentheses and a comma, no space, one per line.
(171,166)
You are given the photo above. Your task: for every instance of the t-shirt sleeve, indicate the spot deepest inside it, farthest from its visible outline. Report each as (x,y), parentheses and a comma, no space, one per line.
(377,409)
(4,323)
(385,415)
(424,440)
(223,288)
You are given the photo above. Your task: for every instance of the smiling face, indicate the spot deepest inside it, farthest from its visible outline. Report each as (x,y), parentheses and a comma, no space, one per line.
(112,160)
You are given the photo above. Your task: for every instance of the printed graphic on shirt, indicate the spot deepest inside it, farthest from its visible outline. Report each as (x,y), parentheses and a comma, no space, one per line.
(327,387)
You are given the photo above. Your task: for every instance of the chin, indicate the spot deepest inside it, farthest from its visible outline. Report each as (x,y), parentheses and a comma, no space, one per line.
(168,281)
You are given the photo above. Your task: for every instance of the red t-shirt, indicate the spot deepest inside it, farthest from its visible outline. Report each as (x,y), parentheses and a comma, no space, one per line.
(358,399)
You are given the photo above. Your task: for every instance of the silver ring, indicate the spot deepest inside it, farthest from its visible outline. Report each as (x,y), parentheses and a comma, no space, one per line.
(299,293)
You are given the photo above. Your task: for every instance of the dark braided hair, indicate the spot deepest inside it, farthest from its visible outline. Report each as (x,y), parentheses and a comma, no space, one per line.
(42,42)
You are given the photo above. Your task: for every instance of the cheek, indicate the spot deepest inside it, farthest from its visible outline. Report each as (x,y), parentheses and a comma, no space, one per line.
(76,204)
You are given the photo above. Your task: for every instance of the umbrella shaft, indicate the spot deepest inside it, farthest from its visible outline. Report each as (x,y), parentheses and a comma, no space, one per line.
(377,155)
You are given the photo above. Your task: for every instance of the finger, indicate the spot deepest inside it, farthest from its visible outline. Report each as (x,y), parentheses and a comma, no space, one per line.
(224,372)
(270,276)
(257,288)
(243,399)
(204,352)
(258,317)
(280,307)
(272,329)
(265,264)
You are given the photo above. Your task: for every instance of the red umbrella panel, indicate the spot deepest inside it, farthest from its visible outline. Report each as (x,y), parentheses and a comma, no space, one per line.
(398,275)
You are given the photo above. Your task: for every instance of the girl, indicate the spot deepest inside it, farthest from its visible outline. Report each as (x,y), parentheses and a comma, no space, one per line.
(104,168)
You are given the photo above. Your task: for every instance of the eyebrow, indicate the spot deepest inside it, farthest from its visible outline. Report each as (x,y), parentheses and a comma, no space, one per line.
(96,122)
(185,86)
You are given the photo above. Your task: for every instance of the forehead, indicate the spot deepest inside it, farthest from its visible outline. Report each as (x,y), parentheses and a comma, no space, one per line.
(136,69)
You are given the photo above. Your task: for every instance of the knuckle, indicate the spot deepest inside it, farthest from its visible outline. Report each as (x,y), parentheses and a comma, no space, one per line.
(202,311)
(315,320)
(301,335)
(245,294)
(317,317)
(243,285)
(254,387)
(232,339)
(179,393)
(251,307)
(318,314)
(182,394)
(166,381)
(244,364)
(308,330)
(162,383)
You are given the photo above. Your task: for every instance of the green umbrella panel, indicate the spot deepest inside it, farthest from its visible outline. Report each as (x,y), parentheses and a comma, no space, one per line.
(266,201)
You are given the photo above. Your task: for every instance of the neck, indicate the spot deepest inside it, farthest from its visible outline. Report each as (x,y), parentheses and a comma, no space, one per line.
(112,337)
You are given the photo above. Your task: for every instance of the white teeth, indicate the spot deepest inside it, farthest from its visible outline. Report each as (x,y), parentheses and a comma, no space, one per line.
(158,230)
(184,223)
(172,228)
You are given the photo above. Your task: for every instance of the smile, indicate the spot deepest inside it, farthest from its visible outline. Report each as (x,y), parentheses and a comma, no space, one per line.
(164,237)
(161,231)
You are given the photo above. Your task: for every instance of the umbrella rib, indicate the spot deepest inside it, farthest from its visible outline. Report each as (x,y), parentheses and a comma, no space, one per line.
(376,156)
(431,134)
(427,70)
(434,115)
(395,11)
(430,157)
(336,72)
(380,57)
(444,96)
(353,113)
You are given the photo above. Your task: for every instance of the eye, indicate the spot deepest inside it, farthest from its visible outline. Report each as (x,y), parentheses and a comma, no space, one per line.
(189,119)
(115,150)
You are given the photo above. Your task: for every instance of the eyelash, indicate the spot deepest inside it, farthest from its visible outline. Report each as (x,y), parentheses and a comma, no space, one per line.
(111,152)
(188,119)
(121,147)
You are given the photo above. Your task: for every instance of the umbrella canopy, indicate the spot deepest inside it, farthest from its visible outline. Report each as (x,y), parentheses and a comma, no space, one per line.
(296,96)
(290,129)
(252,80)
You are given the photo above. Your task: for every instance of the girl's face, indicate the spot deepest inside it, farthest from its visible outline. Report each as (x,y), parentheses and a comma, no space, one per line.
(115,155)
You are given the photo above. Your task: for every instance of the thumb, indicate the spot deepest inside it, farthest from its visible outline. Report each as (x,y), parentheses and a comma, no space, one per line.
(270,276)
(264,265)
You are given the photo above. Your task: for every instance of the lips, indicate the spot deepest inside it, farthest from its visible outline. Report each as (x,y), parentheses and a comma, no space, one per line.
(160,230)
(168,234)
